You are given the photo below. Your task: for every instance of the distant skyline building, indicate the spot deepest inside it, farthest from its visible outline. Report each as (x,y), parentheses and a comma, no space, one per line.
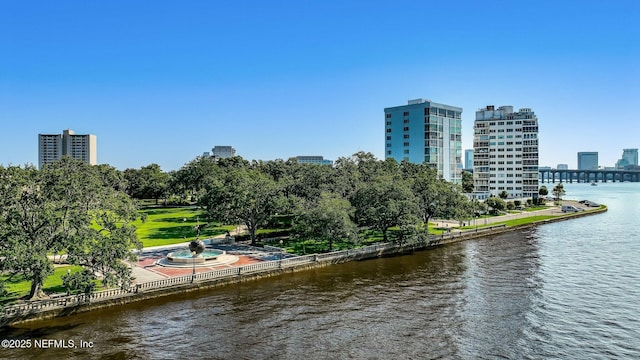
(222,152)
(426,132)
(506,152)
(629,158)
(468,159)
(562,167)
(588,160)
(52,147)
(319,160)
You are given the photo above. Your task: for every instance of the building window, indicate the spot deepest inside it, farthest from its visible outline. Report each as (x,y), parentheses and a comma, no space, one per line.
(388,130)
(406,113)
(406,121)
(406,136)
(406,144)
(406,128)
(389,152)
(406,151)
(388,122)
(388,116)
(388,137)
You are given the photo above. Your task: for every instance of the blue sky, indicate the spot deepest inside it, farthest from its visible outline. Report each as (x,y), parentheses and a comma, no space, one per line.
(163,81)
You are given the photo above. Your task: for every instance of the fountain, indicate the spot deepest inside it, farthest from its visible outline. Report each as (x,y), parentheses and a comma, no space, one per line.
(207,258)
(197,256)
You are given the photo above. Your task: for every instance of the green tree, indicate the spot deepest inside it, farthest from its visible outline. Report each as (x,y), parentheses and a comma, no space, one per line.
(347,177)
(558,192)
(503,194)
(80,281)
(543,192)
(478,208)
(328,218)
(149,182)
(467,182)
(242,195)
(495,204)
(190,181)
(438,198)
(65,207)
(156,182)
(385,202)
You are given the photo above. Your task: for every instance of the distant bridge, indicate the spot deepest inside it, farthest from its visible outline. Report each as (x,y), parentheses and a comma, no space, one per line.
(614,175)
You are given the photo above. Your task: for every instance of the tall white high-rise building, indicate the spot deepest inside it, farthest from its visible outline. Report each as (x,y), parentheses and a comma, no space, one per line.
(505,152)
(52,147)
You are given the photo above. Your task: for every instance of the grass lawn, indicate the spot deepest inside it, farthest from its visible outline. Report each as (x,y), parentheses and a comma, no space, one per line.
(536,208)
(525,220)
(165,226)
(17,287)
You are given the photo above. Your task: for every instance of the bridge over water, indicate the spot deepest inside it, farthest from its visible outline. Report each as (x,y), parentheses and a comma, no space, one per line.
(613,175)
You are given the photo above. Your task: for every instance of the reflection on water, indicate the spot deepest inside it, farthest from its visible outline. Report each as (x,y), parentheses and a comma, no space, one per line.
(563,290)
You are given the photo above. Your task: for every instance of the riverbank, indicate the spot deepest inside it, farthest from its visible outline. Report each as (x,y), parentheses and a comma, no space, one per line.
(65,306)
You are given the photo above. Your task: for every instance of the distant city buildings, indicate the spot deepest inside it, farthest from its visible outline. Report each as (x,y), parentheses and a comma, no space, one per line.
(506,152)
(468,160)
(629,159)
(221,152)
(52,147)
(562,167)
(426,132)
(588,160)
(319,160)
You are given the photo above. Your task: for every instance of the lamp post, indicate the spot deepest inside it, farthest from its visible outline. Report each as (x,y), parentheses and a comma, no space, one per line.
(280,254)
(193,273)
(184,236)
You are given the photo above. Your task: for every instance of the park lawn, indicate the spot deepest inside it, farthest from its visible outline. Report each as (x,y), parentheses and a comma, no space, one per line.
(536,208)
(311,246)
(526,220)
(166,226)
(514,222)
(17,287)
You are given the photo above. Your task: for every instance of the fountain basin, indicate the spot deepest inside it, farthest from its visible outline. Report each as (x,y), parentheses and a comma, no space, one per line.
(187,257)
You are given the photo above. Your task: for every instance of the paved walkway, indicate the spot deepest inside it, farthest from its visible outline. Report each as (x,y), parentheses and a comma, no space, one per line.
(552,210)
(144,269)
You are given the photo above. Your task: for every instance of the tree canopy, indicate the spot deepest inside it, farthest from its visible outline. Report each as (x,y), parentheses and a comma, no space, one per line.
(67,207)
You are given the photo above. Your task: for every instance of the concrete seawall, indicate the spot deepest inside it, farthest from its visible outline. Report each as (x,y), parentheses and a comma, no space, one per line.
(140,294)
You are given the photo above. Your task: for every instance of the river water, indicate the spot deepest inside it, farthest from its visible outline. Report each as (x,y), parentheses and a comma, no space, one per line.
(567,290)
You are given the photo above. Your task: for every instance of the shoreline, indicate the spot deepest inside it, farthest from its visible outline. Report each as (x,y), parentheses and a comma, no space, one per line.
(28,313)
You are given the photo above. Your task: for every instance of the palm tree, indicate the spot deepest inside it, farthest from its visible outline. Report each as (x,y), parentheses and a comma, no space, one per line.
(558,192)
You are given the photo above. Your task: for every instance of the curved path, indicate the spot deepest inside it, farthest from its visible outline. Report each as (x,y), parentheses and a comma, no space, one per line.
(552,210)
